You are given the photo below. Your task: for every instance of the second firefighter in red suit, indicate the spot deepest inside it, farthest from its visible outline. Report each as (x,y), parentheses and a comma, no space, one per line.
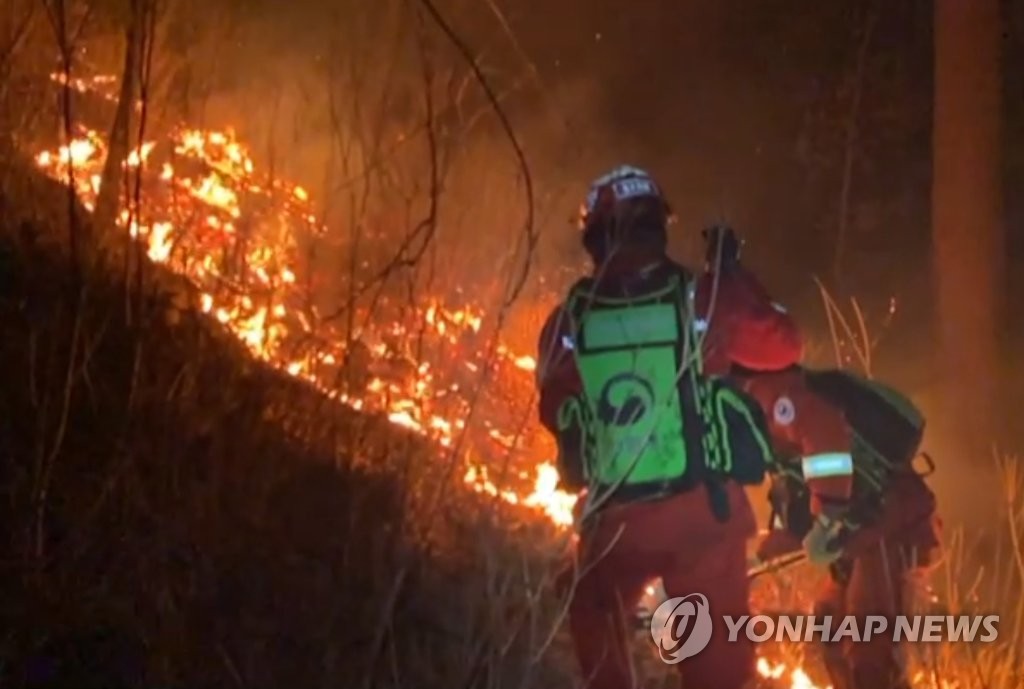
(690,528)
(846,486)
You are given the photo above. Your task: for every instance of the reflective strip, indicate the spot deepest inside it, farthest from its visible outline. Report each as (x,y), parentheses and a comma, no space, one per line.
(828,464)
(567,342)
(700,324)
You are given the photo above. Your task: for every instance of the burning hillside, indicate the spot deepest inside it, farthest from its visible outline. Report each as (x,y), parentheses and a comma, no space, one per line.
(200,206)
(211,216)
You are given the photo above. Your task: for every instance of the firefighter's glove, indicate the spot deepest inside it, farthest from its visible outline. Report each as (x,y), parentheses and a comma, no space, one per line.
(822,542)
(723,248)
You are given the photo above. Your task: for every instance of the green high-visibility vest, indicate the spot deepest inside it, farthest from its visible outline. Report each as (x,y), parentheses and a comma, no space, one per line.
(628,353)
(649,416)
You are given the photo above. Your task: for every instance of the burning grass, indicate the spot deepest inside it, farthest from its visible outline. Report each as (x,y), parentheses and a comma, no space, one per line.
(235,236)
(213,485)
(178,512)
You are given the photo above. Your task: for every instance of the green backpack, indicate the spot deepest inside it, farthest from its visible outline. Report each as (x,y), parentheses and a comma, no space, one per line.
(653,422)
(887,426)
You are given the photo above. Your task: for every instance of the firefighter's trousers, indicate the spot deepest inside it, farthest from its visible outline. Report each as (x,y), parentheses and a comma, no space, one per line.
(877,579)
(678,539)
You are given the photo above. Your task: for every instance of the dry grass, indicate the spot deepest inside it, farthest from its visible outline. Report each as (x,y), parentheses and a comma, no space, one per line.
(174,514)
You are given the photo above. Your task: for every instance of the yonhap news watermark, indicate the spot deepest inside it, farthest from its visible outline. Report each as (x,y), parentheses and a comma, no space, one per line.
(825,628)
(682,627)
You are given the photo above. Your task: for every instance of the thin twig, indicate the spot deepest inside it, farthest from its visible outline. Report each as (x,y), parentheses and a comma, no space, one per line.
(850,148)
(529,229)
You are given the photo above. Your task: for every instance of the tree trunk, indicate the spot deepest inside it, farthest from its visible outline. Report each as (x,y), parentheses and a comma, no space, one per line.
(967,223)
(108,202)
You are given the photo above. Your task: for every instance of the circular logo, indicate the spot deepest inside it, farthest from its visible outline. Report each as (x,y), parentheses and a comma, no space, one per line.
(784,411)
(681,627)
(625,400)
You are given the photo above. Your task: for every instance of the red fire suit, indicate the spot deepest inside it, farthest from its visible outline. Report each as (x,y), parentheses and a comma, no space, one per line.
(677,537)
(870,578)
(746,327)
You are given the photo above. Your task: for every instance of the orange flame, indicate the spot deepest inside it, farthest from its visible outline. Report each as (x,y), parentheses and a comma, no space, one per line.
(198,187)
(796,676)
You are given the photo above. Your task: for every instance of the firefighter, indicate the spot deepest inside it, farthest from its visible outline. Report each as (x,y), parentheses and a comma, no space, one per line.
(637,423)
(847,490)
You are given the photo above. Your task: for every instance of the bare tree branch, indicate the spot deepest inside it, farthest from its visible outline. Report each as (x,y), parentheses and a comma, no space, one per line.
(529,228)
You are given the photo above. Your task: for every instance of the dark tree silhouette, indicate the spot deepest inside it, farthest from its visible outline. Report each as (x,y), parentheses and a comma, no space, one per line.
(968,244)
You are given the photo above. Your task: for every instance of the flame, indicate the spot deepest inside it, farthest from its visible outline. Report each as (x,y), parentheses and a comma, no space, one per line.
(557,504)
(213,191)
(139,155)
(545,496)
(780,672)
(527,363)
(210,216)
